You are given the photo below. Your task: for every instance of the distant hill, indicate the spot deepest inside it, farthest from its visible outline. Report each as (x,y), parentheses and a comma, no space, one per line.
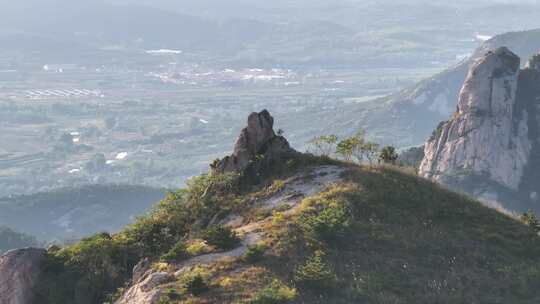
(73,213)
(10,239)
(289,35)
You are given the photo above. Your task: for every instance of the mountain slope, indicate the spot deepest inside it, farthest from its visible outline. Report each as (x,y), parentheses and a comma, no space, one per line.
(385,235)
(303,229)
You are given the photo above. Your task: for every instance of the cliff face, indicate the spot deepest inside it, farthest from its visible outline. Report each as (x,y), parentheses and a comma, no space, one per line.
(490,136)
(18,272)
(417,110)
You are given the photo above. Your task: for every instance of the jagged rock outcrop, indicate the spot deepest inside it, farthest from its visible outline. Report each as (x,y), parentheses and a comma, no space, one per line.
(485,135)
(140,269)
(492,135)
(256,140)
(144,290)
(19,270)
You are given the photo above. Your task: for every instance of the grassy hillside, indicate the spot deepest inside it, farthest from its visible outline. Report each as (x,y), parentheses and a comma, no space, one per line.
(372,235)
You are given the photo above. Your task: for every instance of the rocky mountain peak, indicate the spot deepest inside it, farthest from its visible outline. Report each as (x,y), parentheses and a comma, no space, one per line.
(19,270)
(259,130)
(256,139)
(494,68)
(488,135)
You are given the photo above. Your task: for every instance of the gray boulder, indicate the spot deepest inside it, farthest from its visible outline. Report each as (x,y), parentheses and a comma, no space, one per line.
(19,270)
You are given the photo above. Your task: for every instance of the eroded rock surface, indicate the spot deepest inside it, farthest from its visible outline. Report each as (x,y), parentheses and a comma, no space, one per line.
(491,146)
(487,134)
(145,290)
(19,270)
(256,140)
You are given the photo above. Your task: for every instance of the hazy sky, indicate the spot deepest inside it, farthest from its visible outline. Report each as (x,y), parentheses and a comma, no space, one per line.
(359,15)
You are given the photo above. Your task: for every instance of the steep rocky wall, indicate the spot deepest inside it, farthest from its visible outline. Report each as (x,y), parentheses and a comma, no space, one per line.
(528,100)
(417,110)
(491,146)
(488,135)
(18,272)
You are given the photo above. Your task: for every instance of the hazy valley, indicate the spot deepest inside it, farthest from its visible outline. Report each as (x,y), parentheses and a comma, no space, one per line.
(390,155)
(159,108)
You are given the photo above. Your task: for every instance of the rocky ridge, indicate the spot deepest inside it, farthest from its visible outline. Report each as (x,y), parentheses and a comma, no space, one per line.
(148,284)
(257,142)
(490,138)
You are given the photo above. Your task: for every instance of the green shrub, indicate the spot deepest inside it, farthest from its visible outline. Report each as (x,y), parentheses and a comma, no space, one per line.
(172,294)
(151,235)
(254,253)
(282,207)
(198,248)
(177,253)
(169,296)
(315,273)
(330,224)
(323,145)
(205,184)
(277,292)
(158,232)
(196,285)
(388,155)
(221,237)
(86,272)
(261,214)
(91,270)
(346,148)
(277,186)
(530,219)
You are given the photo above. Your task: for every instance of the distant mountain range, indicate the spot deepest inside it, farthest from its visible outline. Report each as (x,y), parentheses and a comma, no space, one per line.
(10,239)
(73,213)
(344,34)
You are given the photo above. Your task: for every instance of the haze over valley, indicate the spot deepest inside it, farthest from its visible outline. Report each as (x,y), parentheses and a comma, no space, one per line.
(269,152)
(150,92)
